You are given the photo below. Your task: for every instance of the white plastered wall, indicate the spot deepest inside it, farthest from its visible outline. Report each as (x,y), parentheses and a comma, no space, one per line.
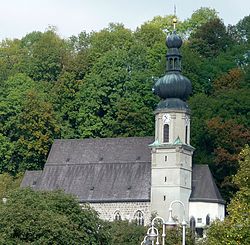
(200,210)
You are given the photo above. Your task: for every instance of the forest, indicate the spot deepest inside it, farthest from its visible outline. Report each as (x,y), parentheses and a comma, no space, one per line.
(99,84)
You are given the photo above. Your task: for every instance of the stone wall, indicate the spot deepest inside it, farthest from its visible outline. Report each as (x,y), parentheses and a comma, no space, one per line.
(127,210)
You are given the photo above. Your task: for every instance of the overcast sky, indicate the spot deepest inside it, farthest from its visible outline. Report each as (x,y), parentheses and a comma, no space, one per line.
(19,17)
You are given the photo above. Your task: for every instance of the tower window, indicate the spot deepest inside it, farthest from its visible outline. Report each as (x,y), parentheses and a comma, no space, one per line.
(171,64)
(165,179)
(166,158)
(175,63)
(166,133)
(139,217)
(164,198)
(186,135)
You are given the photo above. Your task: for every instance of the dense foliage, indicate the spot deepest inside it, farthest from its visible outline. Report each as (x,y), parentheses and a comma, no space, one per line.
(99,84)
(235,228)
(33,217)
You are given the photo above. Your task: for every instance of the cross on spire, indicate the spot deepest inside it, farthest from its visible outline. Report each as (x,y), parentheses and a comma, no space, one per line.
(174,19)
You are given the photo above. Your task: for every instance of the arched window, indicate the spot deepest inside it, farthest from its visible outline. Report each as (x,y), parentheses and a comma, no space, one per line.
(165,133)
(186,135)
(175,63)
(170,64)
(139,217)
(208,220)
(192,224)
(117,216)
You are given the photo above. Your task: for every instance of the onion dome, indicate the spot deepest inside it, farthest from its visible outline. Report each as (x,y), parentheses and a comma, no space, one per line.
(173,84)
(174,41)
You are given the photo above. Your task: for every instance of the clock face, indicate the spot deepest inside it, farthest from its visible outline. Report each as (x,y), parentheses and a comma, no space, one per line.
(187,120)
(166,118)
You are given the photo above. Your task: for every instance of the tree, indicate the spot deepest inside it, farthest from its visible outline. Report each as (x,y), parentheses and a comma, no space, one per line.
(235,228)
(63,99)
(119,77)
(45,55)
(28,124)
(36,129)
(232,80)
(228,138)
(36,217)
(6,153)
(10,55)
(240,32)
(220,129)
(9,183)
(200,17)
(210,38)
(125,233)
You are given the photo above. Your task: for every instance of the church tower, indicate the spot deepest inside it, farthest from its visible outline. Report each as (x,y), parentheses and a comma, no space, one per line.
(171,151)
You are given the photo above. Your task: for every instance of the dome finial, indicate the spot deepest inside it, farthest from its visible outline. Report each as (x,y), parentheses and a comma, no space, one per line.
(174,19)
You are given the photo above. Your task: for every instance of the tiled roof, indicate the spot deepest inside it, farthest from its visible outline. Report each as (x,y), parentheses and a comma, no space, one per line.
(110,170)
(204,188)
(99,170)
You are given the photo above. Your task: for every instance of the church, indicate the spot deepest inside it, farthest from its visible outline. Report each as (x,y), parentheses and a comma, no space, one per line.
(135,178)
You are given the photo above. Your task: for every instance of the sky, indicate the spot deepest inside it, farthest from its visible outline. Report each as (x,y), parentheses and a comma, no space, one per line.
(70,17)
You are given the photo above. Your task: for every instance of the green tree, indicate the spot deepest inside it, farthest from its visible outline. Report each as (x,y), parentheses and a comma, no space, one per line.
(9,183)
(220,129)
(63,99)
(119,77)
(125,233)
(200,17)
(211,38)
(240,32)
(31,217)
(6,154)
(28,124)
(11,53)
(12,94)
(80,62)
(36,128)
(45,55)
(235,228)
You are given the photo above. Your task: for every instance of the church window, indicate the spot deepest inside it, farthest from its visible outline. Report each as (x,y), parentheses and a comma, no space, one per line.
(186,135)
(166,133)
(192,224)
(199,220)
(208,220)
(139,217)
(117,216)
(165,179)
(166,158)
(164,198)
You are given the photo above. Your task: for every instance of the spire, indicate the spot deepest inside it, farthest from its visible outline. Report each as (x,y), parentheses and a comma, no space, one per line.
(174,19)
(173,43)
(173,85)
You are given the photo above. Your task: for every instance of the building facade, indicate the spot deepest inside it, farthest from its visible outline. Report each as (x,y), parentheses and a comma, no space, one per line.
(136,177)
